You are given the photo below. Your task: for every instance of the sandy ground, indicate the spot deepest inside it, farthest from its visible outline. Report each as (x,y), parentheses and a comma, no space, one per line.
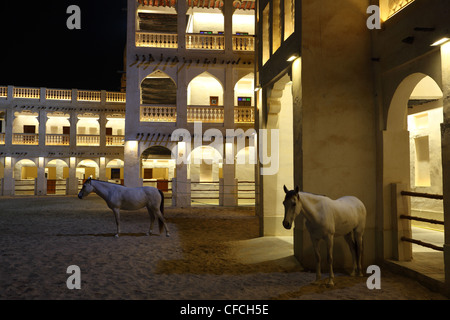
(207,256)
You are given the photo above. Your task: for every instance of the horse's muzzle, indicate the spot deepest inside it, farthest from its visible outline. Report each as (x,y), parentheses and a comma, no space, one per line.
(80,196)
(287,225)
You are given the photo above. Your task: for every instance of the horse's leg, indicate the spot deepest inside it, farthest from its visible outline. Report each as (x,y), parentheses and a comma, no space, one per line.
(117,216)
(359,249)
(152,220)
(351,244)
(161,219)
(330,241)
(315,243)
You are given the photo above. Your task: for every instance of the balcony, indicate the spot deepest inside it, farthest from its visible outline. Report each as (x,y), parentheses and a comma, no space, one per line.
(115,141)
(63,95)
(205,114)
(57,139)
(391,7)
(88,140)
(157,40)
(29,139)
(158,113)
(205,41)
(244,115)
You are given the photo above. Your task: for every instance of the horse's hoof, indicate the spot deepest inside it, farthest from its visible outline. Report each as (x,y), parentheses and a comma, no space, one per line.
(167,235)
(117,235)
(330,284)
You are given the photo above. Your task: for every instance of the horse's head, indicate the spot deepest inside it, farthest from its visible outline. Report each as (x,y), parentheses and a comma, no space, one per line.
(292,206)
(87,188)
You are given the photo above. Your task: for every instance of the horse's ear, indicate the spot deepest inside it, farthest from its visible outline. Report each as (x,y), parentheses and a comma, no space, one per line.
(285,189)
(297,189)
(89,180)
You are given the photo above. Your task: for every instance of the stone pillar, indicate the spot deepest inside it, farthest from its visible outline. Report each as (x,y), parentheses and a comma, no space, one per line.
(8,181)
(181,25)
(445,140)
(9,128)
(72,181)
(182,99)
(228,173)
(42,127)
(228,98)
(102,169)
(41,181)
(102,121)
(228,11)
(182,183)
(132,164)
(73,129)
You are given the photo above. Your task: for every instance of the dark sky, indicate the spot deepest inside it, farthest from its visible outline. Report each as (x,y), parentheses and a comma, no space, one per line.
(38,50)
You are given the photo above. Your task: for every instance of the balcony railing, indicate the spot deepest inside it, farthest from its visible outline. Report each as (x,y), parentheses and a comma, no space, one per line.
(88,140)
(115,141)
(156,40)
(243,43)
(158,114)
(58,94)
(27,93)
(205,41)
(64,95)
(57,139)
(25,138)
(205,114)
(244,115)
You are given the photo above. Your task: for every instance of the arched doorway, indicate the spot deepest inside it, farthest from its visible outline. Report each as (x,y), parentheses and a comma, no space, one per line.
(412,162)
(56,172)
(205,170)
(158,169)
(25,173)
(86,168)
(114,171)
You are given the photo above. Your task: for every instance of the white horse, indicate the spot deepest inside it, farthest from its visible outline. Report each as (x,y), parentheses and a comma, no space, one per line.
(119,197)
(326,218)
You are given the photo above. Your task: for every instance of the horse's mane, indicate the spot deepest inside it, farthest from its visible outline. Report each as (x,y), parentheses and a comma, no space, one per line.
(107,182)
(292,193)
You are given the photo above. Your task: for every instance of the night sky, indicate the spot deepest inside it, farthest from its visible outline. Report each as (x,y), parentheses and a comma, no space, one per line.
(38,50)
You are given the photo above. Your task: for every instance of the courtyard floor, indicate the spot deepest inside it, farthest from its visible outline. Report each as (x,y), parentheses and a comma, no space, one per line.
(212,253)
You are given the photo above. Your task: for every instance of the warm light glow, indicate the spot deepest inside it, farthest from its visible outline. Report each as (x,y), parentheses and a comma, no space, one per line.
(181,149)
(73,161)
(41,162)
(102,161)
(8,162)
(440,41)
(292,58)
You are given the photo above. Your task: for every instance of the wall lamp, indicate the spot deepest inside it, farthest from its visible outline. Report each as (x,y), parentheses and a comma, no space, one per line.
(292,57)
(440,41)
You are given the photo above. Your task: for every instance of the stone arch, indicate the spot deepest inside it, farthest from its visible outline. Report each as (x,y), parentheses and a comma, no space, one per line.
(196,93)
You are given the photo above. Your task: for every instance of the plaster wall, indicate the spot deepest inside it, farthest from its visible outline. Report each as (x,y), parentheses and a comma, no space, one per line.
(339,145)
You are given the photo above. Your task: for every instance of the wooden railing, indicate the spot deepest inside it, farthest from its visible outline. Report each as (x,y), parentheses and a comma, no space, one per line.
(243,43)
(58,94)
(244,115)
(205,114)
(25,138)
(27,93)
(57,139)
(205,41)
(156,40)
(64,95)
(88,140)
(158,114)
(115,141)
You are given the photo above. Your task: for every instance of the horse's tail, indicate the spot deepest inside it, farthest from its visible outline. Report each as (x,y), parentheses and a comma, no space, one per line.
(161,206)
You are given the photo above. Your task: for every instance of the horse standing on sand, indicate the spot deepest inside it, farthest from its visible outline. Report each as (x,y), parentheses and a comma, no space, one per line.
(325,219)
(119,197)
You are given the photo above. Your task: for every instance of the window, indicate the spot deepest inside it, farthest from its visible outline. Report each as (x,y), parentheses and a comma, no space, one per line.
(265,35)
(276,26)
(422,162)
(289,18)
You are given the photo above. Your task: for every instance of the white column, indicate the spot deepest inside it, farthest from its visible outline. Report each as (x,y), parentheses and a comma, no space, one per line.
(8,181)
(72,181)
(41,181)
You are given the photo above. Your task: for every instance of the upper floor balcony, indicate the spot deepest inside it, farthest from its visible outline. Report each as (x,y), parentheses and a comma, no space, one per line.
(391,7)
(157,26)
